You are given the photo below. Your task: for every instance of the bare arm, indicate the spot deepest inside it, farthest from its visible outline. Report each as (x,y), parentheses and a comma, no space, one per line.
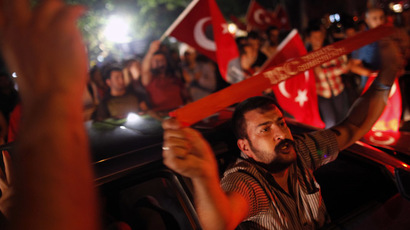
(367,108)
(146,63)
(356,66)
(190,155)
(54,182)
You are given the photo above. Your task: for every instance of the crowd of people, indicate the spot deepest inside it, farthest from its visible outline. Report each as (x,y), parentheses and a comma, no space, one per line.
(161,81)
(45,48)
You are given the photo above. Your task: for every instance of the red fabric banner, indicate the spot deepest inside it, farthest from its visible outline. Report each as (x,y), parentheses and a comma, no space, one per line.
(200,109)
(297,95)
(258,17)
(203,27)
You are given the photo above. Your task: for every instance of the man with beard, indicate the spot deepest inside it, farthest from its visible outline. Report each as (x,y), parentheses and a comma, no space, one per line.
(166,91)
(271,185)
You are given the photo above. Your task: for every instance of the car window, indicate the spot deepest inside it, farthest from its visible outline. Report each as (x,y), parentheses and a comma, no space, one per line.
(148,201)
(353,186)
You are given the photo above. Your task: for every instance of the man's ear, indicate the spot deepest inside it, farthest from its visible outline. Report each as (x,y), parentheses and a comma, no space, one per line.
(108,82)
(243,145)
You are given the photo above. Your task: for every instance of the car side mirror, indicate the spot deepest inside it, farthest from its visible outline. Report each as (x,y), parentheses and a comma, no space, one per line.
(403,182)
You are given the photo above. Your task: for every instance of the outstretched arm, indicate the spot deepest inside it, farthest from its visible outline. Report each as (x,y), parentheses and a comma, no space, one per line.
(53,178)
(189,154)
(367,108)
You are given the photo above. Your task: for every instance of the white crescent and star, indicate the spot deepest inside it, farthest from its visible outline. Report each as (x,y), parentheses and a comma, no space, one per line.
(257,17)
(200,36)
(302,97)
(390,140)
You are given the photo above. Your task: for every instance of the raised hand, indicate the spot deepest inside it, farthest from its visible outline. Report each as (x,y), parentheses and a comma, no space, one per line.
(49,29)
(186,152)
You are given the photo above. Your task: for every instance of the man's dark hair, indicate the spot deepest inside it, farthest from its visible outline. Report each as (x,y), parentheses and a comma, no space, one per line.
(271,28)
(107,73)
(253,35)
(263,103)
(314,25)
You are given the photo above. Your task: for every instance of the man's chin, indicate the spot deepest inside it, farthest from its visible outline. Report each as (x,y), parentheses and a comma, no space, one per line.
(281,163)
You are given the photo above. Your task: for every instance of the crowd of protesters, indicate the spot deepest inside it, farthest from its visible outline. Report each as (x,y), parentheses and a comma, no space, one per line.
(160,81)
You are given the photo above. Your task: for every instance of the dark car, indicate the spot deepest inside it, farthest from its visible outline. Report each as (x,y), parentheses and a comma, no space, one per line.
(365,188)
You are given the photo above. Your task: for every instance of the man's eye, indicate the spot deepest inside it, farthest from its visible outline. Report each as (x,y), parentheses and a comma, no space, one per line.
(282,124)
(264,130)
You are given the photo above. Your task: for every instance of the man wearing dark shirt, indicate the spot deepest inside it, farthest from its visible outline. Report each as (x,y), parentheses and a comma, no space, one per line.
(120,101)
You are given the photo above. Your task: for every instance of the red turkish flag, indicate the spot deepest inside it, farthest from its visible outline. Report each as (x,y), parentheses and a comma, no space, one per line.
(258,17)
(390,118)
(281,18)
(296,95)
(203,27)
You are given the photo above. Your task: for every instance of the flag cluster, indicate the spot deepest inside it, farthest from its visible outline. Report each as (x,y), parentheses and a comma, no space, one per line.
(203,27)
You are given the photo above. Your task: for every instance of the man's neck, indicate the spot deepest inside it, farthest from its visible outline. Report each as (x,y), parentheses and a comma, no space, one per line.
(116,93)
(282,179)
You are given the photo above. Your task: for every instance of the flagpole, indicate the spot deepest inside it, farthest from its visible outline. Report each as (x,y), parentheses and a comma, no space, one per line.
(179,19)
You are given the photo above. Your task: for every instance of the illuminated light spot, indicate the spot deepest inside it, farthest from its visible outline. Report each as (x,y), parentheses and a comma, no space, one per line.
(355,18)
(117,30)
(232,28)
(337,17)
(332,18)
(14,75)
(397,8)
(378,134)
(405,165)
(123,127)
(132,117)
(100,58)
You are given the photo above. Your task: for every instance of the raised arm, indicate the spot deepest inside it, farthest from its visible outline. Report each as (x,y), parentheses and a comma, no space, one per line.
(367,108)
(146,74)
(189,154)
(53,178)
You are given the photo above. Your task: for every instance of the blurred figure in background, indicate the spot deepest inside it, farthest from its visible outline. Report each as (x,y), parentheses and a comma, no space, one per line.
(132,78)
(97,79)
(90,98)
(254,40)
(199,75)
(241,68)
(165,89)
(272,42)
(120,101)
(366,60)
(332,97)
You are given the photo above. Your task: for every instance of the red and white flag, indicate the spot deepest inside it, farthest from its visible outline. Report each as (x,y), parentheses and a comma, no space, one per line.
(203,27)
(297,95)
(258,17)
(281,19)
(390,118)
